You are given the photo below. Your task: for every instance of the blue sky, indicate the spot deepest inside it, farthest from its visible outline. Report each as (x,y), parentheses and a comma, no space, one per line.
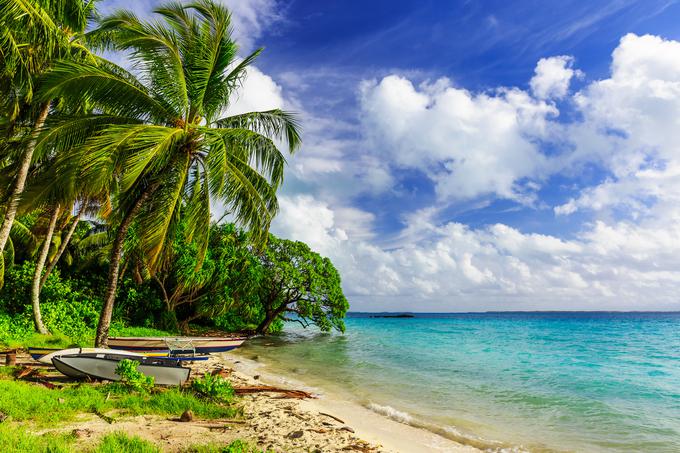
(478,155)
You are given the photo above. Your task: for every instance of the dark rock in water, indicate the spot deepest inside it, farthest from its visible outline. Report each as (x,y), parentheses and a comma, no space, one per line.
(402,315)
(187,416)
(295,434)
(256,377)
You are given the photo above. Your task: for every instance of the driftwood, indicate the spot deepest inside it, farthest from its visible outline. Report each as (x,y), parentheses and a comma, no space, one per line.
(285,393)
(332,416)
(27,372)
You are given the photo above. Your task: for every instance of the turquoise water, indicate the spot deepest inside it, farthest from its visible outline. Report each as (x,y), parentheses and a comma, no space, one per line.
(536,381)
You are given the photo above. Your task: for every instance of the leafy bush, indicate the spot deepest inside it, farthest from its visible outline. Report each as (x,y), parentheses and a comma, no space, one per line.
(212,387)
(132,378)
(65,308)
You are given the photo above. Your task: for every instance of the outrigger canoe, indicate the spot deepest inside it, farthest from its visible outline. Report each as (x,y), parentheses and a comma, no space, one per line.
(165,371)
(196,345)
(45,355)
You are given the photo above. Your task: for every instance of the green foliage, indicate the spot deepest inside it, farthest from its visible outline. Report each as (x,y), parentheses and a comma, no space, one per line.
(132,378)
(65,307)
(224,282)
(120,442)
(212,387)
(301,283)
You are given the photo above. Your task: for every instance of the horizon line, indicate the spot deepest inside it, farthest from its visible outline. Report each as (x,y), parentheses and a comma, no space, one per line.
(516,311)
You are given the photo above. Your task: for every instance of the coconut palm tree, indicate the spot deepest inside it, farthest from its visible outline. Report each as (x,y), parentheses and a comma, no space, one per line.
(33,34)
(161,142)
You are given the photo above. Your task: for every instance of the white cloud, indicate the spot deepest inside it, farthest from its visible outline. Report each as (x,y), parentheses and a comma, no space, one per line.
(634,118)
(258,92)
(250,18)
(611,266)
(469,144)
(553,76)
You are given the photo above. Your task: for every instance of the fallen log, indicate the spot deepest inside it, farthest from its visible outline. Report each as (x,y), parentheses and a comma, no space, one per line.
(286,393)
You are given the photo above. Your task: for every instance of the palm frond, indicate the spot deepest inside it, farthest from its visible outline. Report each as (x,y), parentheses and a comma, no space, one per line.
(248,146)
(161,213)
(275,123)
(104,89)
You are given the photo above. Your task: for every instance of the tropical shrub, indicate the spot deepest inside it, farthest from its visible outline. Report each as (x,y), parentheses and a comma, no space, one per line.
(213,387)
(132,378)
(65,307)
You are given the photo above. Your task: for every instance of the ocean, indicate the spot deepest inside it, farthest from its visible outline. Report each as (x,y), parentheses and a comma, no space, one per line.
(558,381)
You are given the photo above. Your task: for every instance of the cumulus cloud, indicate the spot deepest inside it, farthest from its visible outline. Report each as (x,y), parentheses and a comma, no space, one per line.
(553,76)
(258,92)
(634,117)
(469,144)
(497,267)
(250,18)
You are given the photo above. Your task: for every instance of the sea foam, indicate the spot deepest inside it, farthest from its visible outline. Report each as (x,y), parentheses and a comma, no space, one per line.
(390,412)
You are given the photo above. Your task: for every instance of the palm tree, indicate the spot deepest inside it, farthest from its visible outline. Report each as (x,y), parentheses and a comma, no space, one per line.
(33,34)
(160,142)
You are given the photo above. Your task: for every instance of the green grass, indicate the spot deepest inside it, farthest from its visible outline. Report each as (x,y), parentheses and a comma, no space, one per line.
(43,341)
(132,331)
(237,446)
(14,439)
(119,442)
(17,439)
(24,401)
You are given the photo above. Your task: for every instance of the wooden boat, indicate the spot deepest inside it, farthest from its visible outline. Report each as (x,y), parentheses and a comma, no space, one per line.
(196,345)
(103,366)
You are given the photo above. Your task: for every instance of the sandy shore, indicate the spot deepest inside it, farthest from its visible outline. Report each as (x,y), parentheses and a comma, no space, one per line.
(270,421)
(376,432)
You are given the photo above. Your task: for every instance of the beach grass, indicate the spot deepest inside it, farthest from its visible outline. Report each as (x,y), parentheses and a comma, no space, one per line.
(237,446)
(24,401)
(17,439)
(37,340)
(14,438)
(120,442)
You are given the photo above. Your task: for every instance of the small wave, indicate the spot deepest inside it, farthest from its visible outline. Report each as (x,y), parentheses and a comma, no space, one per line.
(447,432)
(390,412)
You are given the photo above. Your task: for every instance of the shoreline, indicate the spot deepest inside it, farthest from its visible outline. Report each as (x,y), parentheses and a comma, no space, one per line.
(383,432)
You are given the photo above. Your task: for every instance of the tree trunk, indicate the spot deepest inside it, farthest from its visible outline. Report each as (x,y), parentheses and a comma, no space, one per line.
(269,318)
(35,287)
(62,247)
(20,182)
(102,337)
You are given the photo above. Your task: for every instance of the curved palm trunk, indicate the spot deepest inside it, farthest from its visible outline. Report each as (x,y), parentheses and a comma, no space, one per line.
(102,338)
(26,159)
(35,287)
(62,247)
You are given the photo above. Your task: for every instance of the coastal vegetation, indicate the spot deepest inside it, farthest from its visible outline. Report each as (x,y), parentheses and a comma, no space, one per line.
(110,178)
(136,202)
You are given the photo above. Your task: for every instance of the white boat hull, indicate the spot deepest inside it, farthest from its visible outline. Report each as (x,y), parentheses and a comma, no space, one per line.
(103,366)
(47,358)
